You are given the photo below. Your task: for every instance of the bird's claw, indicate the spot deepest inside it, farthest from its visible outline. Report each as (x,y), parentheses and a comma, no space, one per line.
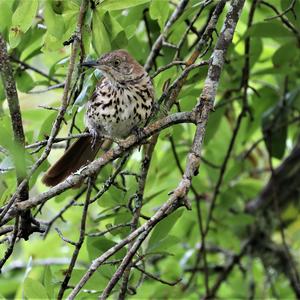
(138,132)
(94,138)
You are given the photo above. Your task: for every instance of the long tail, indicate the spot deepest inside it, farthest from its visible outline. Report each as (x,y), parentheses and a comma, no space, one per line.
(77,155)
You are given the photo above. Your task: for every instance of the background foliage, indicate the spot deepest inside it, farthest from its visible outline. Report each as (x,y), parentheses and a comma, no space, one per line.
(262,131)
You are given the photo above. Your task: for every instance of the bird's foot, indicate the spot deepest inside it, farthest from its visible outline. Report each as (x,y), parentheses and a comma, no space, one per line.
(138,132)
(94,138)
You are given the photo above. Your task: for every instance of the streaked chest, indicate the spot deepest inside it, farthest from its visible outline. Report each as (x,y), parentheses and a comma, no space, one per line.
(115,111)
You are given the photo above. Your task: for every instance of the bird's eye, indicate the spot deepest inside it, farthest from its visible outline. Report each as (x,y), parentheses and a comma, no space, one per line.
(116,62)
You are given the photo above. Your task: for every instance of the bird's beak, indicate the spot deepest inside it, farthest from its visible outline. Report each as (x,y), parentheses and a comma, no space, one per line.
(90,64)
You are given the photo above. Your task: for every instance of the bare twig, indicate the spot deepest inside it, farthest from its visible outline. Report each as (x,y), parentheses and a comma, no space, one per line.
(159,41)
(288,9)
(77,244)
(27,66)
(10,248)
(157,278)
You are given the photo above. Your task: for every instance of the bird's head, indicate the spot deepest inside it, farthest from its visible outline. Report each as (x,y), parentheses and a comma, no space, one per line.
(118,66)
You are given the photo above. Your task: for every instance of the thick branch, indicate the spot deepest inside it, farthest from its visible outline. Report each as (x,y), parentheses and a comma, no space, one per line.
(17,126)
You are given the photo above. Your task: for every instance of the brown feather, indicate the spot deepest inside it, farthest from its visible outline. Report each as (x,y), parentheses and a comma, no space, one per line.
(78,155)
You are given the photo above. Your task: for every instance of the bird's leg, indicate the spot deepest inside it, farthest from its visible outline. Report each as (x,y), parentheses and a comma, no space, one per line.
(94,134)
(138,132)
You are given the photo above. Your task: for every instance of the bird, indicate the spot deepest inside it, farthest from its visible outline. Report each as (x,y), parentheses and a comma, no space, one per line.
(122,103)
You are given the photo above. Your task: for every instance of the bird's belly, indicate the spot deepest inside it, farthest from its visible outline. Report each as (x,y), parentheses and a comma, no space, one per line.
(116,122)
(117,113)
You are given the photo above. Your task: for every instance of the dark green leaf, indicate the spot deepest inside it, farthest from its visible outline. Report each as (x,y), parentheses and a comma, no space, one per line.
(274,125)
(286,54)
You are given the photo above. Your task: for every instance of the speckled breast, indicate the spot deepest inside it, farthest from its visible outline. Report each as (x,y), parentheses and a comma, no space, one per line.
(116,110)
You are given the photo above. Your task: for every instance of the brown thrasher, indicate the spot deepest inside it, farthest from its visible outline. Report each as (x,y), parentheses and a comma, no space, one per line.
(122,102)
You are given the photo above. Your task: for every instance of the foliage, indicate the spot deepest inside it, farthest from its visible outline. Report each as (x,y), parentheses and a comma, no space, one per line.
(39,34)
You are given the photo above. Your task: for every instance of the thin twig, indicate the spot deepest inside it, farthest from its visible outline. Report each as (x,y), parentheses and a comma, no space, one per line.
(157,278)
(27,66)
(78,244)
(10,248)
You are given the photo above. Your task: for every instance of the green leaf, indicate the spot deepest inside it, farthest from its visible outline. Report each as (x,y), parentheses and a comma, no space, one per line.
(249,187)
(58,6)
(47,125)
(159,10)
(88,88)
(256,49)
(2,92)
(285,55)
(33,289)
(213,124)
(163,228)
(48,281)
(272,29)
(5,14)
(117,4)
(112,197)
(295,20)
(101,41)
(274,124)
(22,20)
(97,282)
(115,31)
(24,81)
(54,22)
(96,246)
(164,244)
(112,26)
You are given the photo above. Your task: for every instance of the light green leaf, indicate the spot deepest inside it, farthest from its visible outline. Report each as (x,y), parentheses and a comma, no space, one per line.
(24,81)
(117,4)
(33,289)
(2,92)
(101,41)
(22,20)
(112,26)
(273,29)
(5,14)
(88,88)
(163,228)
(48,281)
(46,125)
(100,245)
(159,10)
(97,282)
(55,23)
